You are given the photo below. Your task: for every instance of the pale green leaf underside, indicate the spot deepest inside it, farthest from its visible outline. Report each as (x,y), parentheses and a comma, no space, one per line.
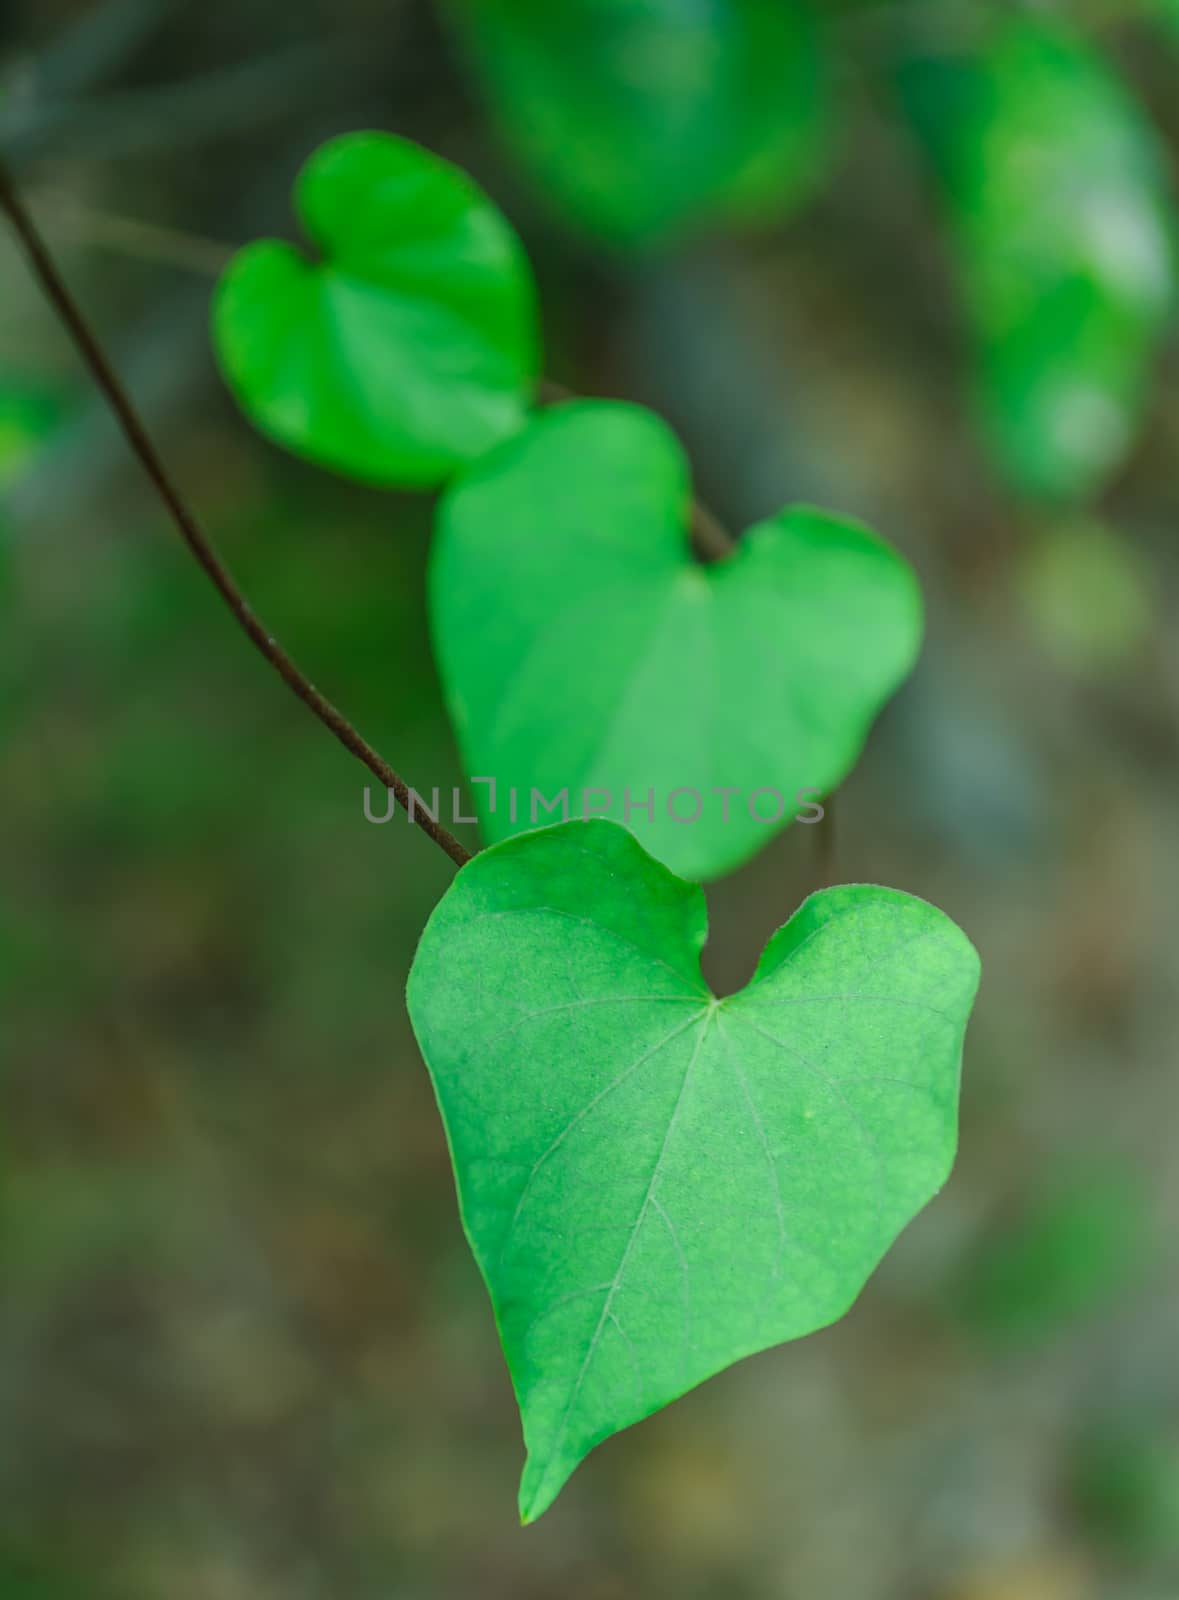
(646,117)
(656,1183)
(411,347)
(581,646)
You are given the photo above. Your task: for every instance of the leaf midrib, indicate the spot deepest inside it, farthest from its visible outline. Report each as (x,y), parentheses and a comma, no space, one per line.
(656,1172)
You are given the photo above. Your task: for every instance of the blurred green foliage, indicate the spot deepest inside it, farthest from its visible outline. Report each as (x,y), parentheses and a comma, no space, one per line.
(639,119)
(1126,1482)
(1088,595)
(1082,1237)
(1063,224)
(27,1578)
(29,412)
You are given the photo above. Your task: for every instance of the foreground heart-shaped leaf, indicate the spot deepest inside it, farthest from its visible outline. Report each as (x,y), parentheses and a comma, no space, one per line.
(583,649)
(412,346)
(1062,214)
(639,120)
(656,1183)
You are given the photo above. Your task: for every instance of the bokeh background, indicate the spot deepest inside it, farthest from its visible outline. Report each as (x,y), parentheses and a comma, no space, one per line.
(244,1353)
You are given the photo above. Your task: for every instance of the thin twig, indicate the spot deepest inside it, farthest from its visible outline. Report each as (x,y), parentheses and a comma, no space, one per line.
(189,529)
(711,539)
(129,236)
(825,846)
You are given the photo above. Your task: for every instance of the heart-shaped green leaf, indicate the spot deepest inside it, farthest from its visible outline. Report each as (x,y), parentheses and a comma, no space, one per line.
(412,346)
(583,649)
(1062,213)
(656,1183)
(640,118)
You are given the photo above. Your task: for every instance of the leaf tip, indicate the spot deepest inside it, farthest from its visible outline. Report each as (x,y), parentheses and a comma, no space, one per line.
(532,1504)
(540,1484)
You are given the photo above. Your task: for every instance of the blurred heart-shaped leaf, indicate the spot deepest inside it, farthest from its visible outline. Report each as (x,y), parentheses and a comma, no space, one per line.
(1063,222)
(582,648)
(654,1182)
(411,346)
(640,118)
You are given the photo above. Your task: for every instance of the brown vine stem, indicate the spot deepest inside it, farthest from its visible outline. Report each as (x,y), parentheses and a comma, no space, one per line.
(826,837)
(51,281)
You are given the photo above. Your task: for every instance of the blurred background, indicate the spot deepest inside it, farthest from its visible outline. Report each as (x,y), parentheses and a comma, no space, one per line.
(912,260)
